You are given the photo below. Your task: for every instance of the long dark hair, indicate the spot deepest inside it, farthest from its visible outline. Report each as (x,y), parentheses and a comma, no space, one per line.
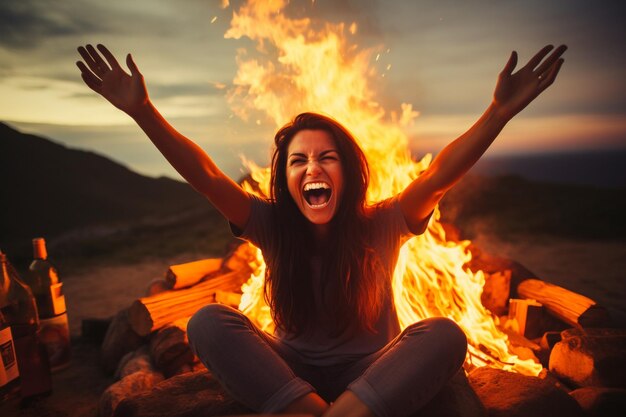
(351,284)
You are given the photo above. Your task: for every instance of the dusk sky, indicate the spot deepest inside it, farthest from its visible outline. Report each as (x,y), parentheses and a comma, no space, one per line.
(441,56)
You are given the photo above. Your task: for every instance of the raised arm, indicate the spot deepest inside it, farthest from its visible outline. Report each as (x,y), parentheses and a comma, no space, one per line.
(129,94)
(514,91)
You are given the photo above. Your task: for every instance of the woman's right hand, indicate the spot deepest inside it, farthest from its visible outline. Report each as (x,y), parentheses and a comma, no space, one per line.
(107,78)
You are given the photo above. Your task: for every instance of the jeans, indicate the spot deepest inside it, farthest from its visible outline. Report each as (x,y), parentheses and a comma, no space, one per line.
(266,375)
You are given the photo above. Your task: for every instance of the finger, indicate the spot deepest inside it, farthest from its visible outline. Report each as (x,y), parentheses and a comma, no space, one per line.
(510,65)
(545,66)
(132,66)
(534,61)
(93,66)
(91,80)
(102,66)
(109,57)
(551,76)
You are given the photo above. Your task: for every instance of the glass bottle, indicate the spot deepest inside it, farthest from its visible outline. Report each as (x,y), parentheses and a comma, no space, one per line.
(9,372)
(44,282)
(18,307)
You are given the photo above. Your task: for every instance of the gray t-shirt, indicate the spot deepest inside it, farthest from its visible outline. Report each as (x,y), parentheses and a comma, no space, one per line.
(388,232)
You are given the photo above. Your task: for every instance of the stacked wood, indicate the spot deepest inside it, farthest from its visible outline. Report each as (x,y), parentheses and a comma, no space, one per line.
(527,316)
(169,348)
(229,298)
(118,341)
(242,258)
(574,309)
(151,313)
(190,273)
(137,361)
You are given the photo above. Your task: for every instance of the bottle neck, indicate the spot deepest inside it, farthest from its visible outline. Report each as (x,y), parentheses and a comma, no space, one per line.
(5,280)
(39,249)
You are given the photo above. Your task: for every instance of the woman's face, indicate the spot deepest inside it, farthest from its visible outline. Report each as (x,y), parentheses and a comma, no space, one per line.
(314,175)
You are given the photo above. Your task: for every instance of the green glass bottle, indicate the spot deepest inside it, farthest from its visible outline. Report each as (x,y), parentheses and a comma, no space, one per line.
(18,307)
(44,282)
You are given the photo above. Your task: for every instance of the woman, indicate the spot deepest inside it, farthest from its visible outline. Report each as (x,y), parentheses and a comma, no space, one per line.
(337,350)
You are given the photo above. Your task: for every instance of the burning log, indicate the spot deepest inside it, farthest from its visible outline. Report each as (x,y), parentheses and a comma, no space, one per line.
(241,258)
(574,309)
(151,313)
(496,292)
(190,273)
(232,299)
(526,315)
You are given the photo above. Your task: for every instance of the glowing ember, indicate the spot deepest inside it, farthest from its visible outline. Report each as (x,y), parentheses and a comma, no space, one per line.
(305,66)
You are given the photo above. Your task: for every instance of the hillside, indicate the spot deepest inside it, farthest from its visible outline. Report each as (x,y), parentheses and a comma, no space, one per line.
(70,195)
(511,205)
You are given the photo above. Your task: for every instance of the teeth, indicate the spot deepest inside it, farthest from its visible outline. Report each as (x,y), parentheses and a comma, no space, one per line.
(316,186)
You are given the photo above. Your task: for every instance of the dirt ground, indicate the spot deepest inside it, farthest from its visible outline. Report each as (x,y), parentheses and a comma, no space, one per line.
(593,268)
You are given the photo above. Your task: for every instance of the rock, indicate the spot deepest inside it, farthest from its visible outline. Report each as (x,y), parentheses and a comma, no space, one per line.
(507,394)
(195,394)
(456,399)
(601,402)
(591,357)
(128,386)
(118,341)
(136,361)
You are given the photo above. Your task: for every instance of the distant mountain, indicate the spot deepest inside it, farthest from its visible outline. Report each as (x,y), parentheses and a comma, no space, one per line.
(508,205)
(50,190)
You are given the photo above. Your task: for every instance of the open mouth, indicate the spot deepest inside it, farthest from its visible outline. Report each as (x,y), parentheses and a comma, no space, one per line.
(317,194)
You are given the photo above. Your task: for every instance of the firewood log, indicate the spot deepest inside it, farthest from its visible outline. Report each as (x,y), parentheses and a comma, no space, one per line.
(151,313)
(228,298)
(169,347)
(241,258)
(574,309)
(190,273)
(118,341)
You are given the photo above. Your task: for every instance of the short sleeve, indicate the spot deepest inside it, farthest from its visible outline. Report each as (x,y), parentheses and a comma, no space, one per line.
(390,224)
(256,230)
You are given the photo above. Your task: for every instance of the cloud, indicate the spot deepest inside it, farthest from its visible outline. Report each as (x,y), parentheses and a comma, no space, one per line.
(192,89)
(24,24)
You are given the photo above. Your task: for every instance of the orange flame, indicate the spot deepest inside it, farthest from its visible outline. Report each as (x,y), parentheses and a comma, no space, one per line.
(301,65)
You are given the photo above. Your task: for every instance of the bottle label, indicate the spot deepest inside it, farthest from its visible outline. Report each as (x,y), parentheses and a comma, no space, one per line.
(7,352)
(54,333)
(57,297)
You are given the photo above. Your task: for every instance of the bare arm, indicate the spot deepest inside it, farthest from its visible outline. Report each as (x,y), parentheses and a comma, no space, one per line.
(129,94)
(514,91)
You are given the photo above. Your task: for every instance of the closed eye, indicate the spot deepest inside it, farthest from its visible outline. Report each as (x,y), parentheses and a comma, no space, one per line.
(296,161)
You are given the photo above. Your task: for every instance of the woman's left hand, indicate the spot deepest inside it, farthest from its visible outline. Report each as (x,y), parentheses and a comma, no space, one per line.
(514,91)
